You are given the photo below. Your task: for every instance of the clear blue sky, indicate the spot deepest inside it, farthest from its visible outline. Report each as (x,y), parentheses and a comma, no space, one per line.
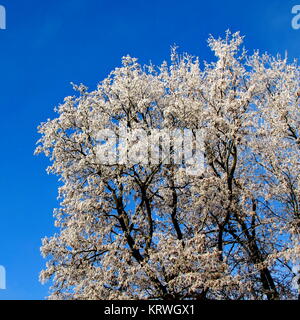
(48,44)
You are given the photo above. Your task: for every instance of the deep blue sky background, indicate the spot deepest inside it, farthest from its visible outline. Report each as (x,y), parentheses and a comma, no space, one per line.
(48,44)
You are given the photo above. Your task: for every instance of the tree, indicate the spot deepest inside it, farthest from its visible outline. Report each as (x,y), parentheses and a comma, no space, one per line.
(151,230)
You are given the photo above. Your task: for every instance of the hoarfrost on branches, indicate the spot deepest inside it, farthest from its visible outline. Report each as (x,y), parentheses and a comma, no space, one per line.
(149,230)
